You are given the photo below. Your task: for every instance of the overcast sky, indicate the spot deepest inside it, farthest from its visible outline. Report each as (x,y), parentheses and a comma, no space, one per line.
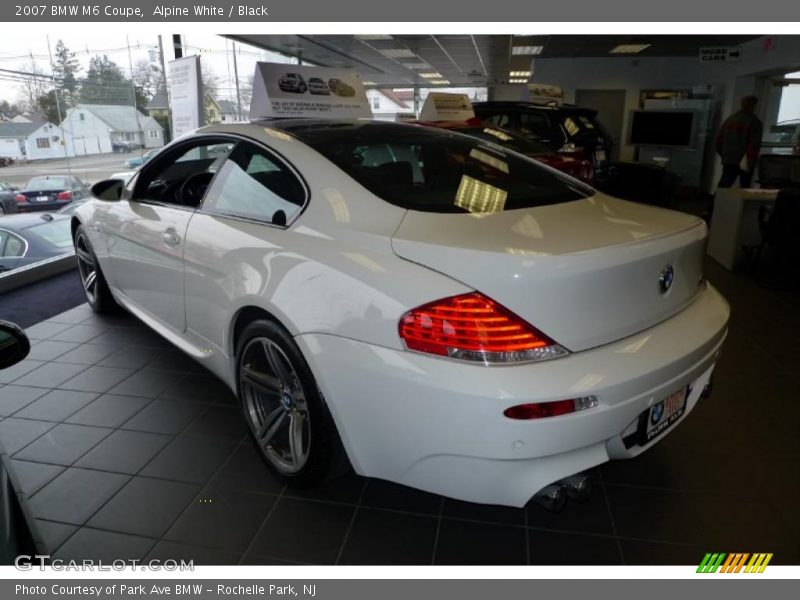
(16,50)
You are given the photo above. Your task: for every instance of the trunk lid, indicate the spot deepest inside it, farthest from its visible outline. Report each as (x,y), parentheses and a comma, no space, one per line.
(585,273)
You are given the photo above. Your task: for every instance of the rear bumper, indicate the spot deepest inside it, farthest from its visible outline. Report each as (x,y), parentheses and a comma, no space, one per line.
(438,424)
(41,206)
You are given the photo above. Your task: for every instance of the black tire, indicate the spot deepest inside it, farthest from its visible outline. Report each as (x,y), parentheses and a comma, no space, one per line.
(324,455)
(95,288)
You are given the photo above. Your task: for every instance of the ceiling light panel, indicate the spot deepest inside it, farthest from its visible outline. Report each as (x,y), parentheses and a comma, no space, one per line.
(628,48)
(526,50)
(374,36)
(517,74)
(431,75)
(397,53)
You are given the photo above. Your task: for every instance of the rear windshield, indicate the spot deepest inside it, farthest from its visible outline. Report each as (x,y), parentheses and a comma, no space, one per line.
(435,170)
(508,140)
(48,183)
(57,233)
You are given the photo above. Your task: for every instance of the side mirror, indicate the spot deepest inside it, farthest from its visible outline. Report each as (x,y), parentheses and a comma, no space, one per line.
(14,188)
(14,344)
(108,189)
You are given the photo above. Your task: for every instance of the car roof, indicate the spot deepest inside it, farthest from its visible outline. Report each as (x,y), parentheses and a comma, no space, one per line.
(523,104)
(18,223)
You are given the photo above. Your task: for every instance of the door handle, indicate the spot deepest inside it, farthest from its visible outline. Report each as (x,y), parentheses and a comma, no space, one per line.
(170,237)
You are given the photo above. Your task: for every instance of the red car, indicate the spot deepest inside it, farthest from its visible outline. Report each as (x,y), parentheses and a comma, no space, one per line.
(579,168)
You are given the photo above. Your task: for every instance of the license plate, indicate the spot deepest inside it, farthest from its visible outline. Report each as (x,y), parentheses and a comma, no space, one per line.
(42,198)
(663,414)
(600,156)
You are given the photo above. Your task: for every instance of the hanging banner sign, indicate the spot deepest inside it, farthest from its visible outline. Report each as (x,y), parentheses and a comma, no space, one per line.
(185,99)
(542,92)
(441,106)
(721,54)
(304,91)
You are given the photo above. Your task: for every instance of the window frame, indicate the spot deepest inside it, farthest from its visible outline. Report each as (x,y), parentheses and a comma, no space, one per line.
(279,158)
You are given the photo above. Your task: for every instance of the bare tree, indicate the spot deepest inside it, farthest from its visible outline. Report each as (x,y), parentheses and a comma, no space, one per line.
(34,83)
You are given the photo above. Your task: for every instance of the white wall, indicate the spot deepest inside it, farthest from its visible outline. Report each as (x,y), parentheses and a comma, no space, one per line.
(90,136)
(730,81)
(55,150)
(10,148)
(153,142)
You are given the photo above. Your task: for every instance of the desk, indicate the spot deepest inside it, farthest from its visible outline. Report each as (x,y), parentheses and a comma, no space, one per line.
(734,223)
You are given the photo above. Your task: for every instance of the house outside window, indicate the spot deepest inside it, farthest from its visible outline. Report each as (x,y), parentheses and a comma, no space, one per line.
(42,142)
(82,116)
(376,102)
(152,134)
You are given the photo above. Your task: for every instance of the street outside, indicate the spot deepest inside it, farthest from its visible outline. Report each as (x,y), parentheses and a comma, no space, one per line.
(91,169)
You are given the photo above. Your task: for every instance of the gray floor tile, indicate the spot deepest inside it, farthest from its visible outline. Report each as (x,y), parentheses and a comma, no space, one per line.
(190,459)
(224,519)
(197,388)
(146,382)
(56,405)
(165,416)
(247,471)
(219,421)
(45,330)
(165,550)
(63,444)
(87,354)
(103,545)
(18,370)
(131,357)
(75,495)
(50,375)
(124,451)
(53,534)
(176,360)
(50,349)
(17,433)
(145,506)
(74,316)
(33,476)
(109,411)
(79,333)
(15,397)
(97,379)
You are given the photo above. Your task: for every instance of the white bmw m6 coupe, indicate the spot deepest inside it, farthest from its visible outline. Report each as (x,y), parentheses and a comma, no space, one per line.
(429,307)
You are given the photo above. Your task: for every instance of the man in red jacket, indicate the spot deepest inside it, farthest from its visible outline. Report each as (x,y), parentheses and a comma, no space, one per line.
(739,138)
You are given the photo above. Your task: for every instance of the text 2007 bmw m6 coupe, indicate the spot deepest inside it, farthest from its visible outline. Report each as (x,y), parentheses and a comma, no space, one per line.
(437,310)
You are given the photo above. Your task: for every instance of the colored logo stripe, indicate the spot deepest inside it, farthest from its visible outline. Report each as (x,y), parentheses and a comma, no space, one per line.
(734,562)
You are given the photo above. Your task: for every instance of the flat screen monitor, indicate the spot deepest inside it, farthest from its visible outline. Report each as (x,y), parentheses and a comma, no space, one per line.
(676,128)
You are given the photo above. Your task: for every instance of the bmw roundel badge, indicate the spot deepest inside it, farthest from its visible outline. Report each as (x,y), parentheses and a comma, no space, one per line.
(665,279)
(657,413)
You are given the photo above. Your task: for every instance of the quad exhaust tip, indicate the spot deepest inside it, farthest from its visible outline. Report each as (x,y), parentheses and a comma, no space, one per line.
(554,496)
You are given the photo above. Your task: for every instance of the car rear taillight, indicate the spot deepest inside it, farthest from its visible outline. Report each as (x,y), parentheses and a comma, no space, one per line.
(475,328)
(20,198)
(65,195)
(542,410)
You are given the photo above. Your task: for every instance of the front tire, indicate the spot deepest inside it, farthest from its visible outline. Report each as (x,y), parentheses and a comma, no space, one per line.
(95,286)
(287,417)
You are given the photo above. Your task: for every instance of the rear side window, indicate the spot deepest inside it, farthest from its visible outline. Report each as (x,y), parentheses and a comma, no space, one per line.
(534,125)
(257,185)
(434,170)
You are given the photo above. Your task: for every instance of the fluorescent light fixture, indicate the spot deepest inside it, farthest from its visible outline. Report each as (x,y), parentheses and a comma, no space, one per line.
(374,36)
(518,81)
(368,83)
(628,48)
(431,75)
(440,81)
(516,74)
(417,65)
(397,53)
(522,50)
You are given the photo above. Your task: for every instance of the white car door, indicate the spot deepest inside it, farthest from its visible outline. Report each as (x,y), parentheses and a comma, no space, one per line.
(146,233)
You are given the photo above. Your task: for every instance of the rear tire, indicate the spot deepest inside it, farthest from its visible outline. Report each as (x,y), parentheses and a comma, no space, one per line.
(287,417)
(95,286)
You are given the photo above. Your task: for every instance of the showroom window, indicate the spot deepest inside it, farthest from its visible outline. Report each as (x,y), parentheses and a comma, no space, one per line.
(255,185)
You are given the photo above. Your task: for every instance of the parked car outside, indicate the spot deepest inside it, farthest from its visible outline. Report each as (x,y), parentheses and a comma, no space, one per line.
(292,82)
(519,327)
(29,238)
(565,128)
(8,198)
(138,161)
(50,192)
(6,161)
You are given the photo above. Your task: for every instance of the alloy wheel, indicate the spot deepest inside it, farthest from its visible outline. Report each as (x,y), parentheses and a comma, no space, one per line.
(87,266)
(275,405)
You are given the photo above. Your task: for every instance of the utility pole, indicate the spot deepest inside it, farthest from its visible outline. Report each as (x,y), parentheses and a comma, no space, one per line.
(236,79)
(164,83)
(139,130)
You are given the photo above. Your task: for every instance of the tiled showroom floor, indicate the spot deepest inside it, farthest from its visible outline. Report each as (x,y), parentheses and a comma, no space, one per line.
(127,448)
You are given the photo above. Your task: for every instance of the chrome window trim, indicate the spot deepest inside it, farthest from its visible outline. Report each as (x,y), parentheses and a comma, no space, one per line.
(24,241)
